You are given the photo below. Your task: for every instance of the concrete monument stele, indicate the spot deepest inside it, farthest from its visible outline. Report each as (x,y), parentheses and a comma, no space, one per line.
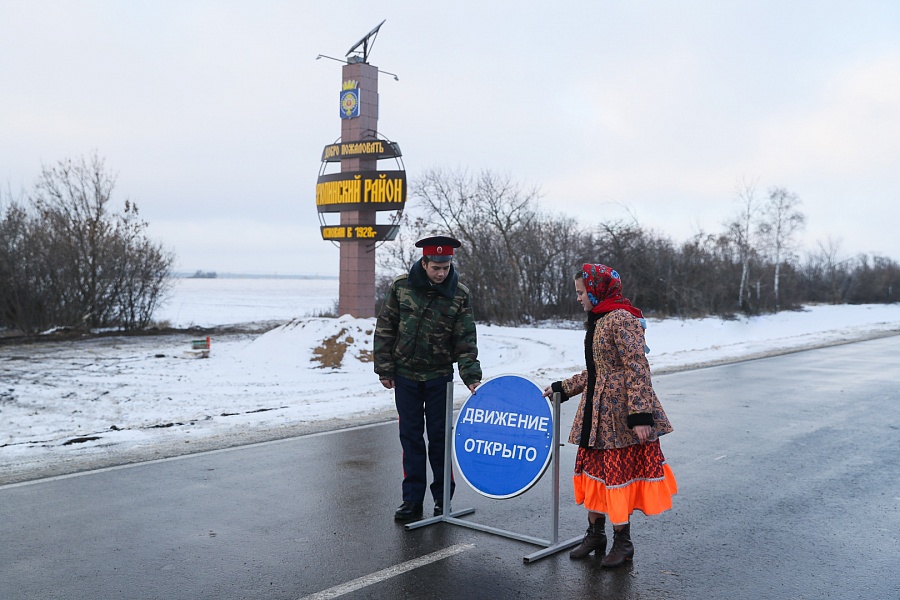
(360,190)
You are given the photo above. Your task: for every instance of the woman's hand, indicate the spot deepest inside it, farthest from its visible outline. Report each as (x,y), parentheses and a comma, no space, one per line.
(548,391)
(643,433)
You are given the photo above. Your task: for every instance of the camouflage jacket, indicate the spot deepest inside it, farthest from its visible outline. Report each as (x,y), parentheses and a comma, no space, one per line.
(423,329)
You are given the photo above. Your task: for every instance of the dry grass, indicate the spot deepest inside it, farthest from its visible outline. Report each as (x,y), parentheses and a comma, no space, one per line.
(330,354)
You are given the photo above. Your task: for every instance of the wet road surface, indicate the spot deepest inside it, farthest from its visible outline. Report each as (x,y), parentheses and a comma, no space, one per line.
(788,488)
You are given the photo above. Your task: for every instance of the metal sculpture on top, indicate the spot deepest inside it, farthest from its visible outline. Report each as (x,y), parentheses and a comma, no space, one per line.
(361,56)
(366,42)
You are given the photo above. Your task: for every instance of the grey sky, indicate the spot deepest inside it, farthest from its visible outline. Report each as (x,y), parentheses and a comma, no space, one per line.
(214,113)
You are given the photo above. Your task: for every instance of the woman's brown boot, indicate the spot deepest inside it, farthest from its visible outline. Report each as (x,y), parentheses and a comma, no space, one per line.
(594,539)
(622,549)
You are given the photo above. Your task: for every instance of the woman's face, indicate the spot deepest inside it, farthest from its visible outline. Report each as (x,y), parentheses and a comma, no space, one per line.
(581,292)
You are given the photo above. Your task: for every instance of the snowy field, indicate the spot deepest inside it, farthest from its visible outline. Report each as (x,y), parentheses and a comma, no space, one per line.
(235,301)
(68,406)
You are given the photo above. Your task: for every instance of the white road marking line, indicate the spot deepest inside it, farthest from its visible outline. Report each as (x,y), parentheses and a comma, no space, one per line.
(379,576)
(720,457)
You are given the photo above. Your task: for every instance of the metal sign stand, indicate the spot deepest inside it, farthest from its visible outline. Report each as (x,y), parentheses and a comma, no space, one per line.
(551,546)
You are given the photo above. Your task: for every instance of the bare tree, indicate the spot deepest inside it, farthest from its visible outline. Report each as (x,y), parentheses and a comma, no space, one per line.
(782,221)
(466,205)
(833,268)
(743,229)
(71,198)
(487,213)
(68,260)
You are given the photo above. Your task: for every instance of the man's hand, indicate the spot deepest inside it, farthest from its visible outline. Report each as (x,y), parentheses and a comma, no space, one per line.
(388,383)
(472,387)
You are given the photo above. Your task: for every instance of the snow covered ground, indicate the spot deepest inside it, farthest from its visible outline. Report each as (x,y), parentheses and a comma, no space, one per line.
(68,406)
(229,301)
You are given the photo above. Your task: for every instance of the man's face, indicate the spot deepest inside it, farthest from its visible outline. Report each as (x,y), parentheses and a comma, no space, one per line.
(437,272)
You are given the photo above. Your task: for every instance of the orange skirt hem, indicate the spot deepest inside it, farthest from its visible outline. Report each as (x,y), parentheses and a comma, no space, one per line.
(651,497)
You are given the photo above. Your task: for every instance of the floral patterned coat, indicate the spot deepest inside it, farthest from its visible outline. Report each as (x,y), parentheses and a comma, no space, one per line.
(622,388)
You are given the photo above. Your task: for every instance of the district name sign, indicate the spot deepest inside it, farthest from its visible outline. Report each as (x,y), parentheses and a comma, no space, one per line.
(360,190)
(379,190)
(503,437)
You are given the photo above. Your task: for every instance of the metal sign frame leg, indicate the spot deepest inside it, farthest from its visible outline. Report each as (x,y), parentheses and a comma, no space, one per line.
(551,546)
(555,545)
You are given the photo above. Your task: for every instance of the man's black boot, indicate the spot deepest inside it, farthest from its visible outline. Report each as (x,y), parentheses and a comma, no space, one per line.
(408,511)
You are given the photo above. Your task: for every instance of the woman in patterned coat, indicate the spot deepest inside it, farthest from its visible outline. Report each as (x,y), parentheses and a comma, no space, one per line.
(619,467)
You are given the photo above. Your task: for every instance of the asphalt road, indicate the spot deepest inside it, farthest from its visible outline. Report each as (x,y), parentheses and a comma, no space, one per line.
(788,488)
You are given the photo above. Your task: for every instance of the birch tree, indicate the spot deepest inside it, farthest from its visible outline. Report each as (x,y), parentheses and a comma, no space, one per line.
(782,221)
(743,231)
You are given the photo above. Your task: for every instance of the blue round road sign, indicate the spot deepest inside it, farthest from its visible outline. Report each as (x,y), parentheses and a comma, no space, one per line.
(504,436)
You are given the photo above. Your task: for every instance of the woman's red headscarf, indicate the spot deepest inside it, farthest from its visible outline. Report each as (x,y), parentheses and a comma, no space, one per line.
(604,290)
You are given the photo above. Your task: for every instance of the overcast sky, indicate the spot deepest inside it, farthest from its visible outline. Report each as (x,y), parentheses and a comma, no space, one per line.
(214,114)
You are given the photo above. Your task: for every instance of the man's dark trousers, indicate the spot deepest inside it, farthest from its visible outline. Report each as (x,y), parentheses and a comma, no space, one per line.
(421,405)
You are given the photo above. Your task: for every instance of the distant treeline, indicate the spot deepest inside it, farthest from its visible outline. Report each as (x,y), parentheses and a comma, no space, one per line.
(520,262)
(67,261)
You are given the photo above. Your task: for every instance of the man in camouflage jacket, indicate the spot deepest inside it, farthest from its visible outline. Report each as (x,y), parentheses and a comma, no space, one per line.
(425,325)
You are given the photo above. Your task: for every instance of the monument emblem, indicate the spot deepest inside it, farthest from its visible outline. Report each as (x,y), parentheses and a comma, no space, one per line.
(350,100)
